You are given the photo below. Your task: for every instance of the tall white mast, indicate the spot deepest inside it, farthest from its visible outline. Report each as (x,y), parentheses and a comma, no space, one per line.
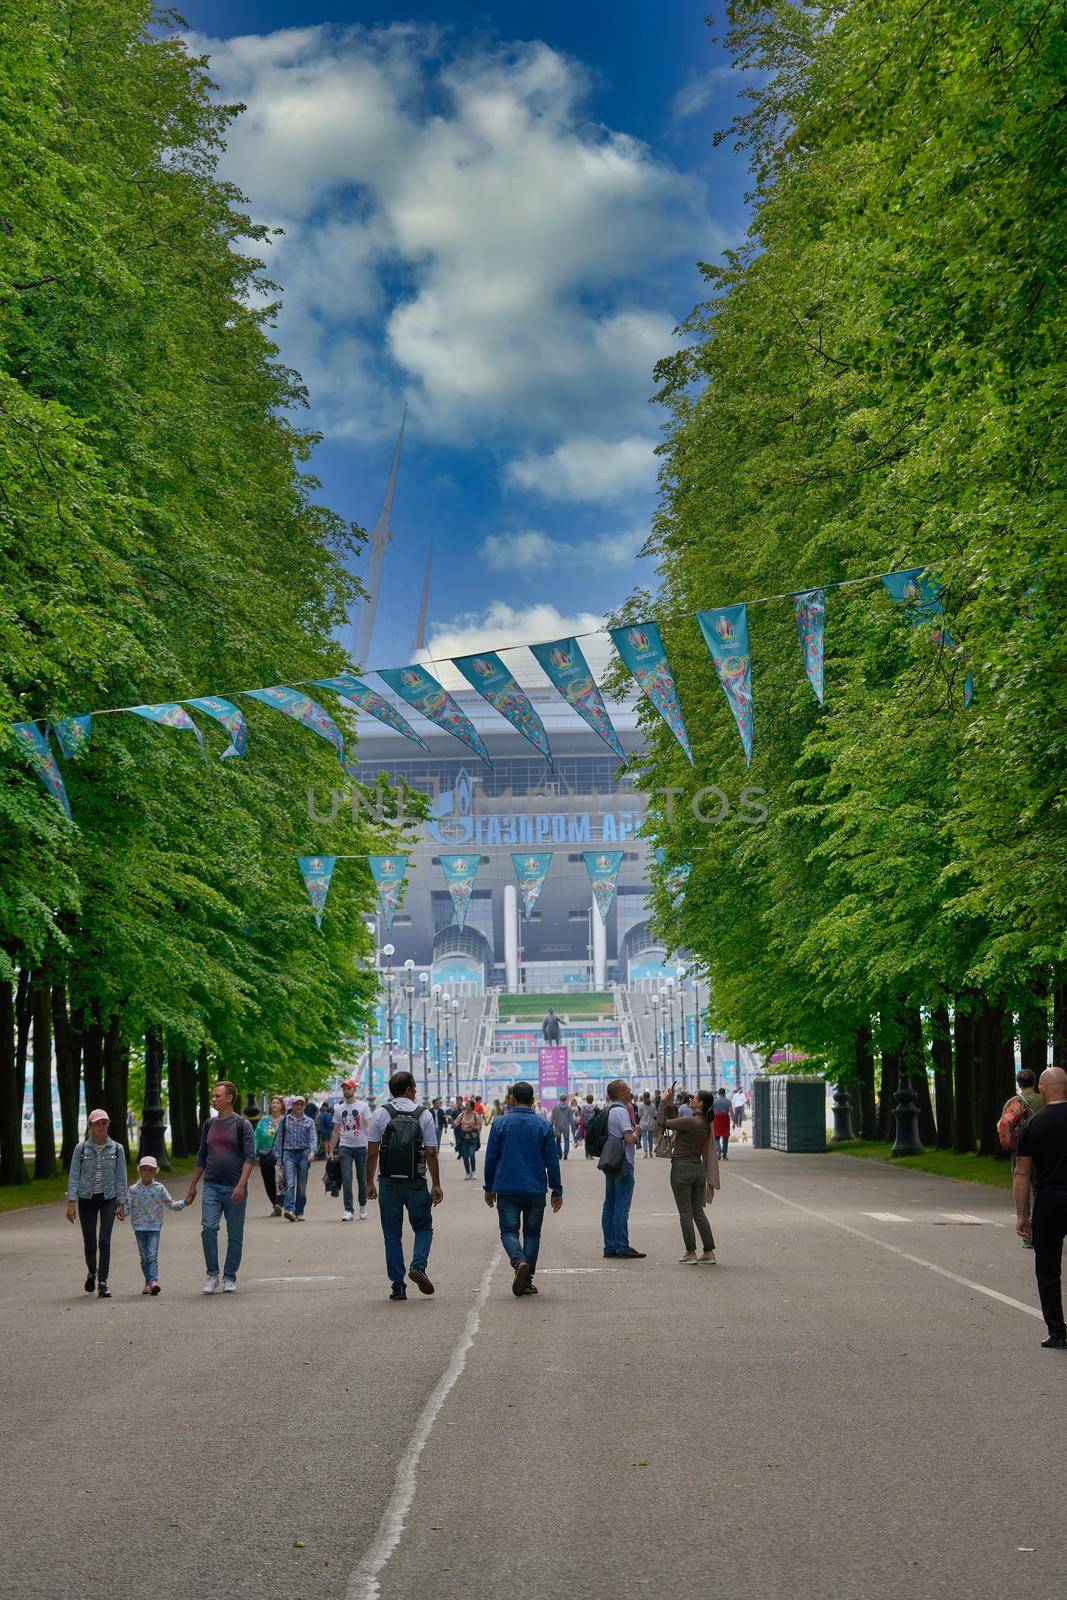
(419,641)
(379,539)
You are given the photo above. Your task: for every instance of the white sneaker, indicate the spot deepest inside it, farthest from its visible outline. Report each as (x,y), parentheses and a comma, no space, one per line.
(211,1283)
(229,1285)
(362,1213)
(346,1216)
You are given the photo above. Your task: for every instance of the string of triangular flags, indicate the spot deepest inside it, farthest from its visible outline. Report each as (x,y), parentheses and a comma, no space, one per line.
(639,646)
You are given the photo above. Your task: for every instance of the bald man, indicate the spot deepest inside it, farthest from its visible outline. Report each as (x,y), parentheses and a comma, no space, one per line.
(1042,1157)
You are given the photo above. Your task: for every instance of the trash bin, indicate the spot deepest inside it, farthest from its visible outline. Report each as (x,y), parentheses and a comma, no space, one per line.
(797,1114)
(761,1113)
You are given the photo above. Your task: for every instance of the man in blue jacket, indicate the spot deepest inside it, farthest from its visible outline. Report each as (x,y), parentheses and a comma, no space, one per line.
(521,1165)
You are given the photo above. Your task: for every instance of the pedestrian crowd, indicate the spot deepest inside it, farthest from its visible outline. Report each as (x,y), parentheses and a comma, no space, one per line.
(391,1154)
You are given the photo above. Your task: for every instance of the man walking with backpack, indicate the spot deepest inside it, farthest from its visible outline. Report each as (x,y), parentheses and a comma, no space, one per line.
(521,1163)
(402,1144)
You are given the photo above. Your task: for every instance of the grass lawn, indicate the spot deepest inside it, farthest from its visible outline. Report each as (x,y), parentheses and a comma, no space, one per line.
(945,1163)
(580,1006)
(15,1197)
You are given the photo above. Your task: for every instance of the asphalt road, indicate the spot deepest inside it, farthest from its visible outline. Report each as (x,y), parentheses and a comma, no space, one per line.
(848,1405)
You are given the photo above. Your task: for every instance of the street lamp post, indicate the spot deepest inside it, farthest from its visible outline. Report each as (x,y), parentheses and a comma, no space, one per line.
(409,986)
(668,1015)
(437,1033)
(424,978)
(699,1030)
(389,950)
(455,1041)
(370,927)
(681,1019)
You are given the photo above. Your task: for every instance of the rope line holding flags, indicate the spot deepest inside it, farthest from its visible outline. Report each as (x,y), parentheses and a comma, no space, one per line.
(639,645)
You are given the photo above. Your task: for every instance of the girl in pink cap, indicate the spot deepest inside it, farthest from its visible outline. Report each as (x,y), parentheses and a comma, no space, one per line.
(96,1189)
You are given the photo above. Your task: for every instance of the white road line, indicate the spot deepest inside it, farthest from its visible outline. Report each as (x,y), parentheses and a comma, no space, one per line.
(884,1216)
(883,1244)
(969,1217)
(363,1584)
(314,1277)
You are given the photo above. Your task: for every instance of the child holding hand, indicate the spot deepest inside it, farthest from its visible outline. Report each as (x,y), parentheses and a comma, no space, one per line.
(144,1207)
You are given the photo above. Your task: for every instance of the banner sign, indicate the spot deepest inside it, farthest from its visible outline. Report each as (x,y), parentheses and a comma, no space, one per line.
(172,715)
(923,594)
(810,612)
(293,703)
(232,720)
(425,694)
(551,1071)
(316,872)
(388,874)
(603,869)
(726,636)
(37,751)
(531,872)
(675,879)
(641,648)
(568,671)
(460,873)
(370,701)
(490,677)
(73,735)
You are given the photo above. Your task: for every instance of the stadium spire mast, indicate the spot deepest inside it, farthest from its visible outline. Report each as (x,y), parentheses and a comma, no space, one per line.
(379,539)
(419,641)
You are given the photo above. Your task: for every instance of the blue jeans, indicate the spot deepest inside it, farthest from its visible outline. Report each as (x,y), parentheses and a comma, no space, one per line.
(527,1210)
(148,1248)
(563,1141)
(395,1196)
(647,1140)
(468,1149)
(295,1169)
(218,1202)
(350,1156)
(615,1217)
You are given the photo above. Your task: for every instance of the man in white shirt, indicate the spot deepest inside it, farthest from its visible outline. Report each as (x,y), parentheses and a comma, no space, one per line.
(737,1100)
(403,1139)
(348,1142)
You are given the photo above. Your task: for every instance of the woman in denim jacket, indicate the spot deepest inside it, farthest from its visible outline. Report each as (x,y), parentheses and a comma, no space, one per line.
(96,1188)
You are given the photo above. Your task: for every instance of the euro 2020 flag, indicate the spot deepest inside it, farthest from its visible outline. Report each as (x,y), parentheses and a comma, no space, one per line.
(488,674)
(316,872)
(37,751)
(531,872)
(73,735)
(388,874)
(641,648)
(603,869)
(293,703)
(172,714)
(675,879)
(923,594)
(415,685)
(726,636)
(810,612)
(568,671)
(460,872)
(232,720)
(370,701)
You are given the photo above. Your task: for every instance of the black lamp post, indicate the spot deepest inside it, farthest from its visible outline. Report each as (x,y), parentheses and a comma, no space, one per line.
(681,1020)
(699,1029)
(906,1119)
(437,1034)
(388,950)
(424,979)
(409,986)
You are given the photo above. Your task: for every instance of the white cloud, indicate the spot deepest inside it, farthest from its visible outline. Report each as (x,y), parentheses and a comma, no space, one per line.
(695,95)
(456,231)
(531,551)
(588,469)
(501,624)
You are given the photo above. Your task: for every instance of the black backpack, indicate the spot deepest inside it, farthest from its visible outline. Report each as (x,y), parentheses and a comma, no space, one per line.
(403,1154)
(596,1132)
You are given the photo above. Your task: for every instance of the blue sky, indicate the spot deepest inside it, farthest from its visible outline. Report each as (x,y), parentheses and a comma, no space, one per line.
(492,213)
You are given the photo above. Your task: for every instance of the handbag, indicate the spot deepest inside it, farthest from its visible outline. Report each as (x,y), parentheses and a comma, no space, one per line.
(665,1145)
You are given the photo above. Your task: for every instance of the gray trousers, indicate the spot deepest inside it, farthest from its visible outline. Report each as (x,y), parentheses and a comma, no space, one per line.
(689,1185)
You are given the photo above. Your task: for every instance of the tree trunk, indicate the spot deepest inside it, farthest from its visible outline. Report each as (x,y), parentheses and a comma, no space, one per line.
(177,1089)
(913,1064)
(44,1134)
(963,1038)
(68,1072)
(864,1111)
(887,1091)
(23,1014)
(1033,1029)
(990,1094)
(941,1055)
(189,1103)
(12,1162)
(117,1081)
(92,1049)
(1059,1023)
(202,1096)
